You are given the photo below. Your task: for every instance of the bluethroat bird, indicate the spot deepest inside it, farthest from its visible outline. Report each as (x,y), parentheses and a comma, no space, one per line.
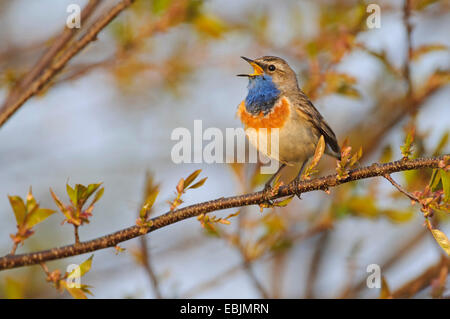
(274,100)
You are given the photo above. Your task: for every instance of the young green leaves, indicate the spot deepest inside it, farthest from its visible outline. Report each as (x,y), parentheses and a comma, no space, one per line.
(320,149)
(27,215)
(406,148)
(71,282)
(208,221)
(74,212)
(143,221)
(347,160)
(440,237)
(185,184)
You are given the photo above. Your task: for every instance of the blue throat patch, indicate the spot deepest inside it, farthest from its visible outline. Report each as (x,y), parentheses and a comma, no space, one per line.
(262,95)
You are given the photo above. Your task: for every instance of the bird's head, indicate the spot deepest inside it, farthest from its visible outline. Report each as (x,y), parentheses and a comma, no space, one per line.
(273,69)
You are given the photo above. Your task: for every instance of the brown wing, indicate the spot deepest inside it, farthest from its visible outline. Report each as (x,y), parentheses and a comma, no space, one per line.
(308,111)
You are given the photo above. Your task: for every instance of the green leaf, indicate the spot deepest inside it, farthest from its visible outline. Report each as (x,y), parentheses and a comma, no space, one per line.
(85,266)
(445,178)
(58,202)
(148,204)
(37,216)
(406,148)
(72,194)
(80,191)
(210,25)
(399,216)
(19,208)
(90,190)
(284,202)
(435,178)
(442,240)
(363,206)
(85,289)
(98,195)
(318,153)
(191,178)
(31,201)
(76,293)
(199,183)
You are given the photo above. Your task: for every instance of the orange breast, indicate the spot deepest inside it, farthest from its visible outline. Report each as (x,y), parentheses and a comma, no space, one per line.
(275,119)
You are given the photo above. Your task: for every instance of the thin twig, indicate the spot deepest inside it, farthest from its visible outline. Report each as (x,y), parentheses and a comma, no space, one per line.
(315,263)
(149,188)
(47,74)
(14,248)
(422,281)
(395,257)
(45,269)
(401,189)
(59,44)
(77,236)
(148,267)
(256,198)
(251,274)
(247,264)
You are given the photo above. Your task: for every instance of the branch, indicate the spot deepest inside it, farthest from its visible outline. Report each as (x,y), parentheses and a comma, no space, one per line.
(323,183)
(8,110)
(422,281)
(58,44)
(149,269)
(401,189)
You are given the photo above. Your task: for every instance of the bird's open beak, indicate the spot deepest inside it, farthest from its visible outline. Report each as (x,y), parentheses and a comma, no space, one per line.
(258,70)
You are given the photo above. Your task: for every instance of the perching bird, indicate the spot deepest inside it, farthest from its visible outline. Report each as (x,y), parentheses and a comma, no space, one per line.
(274,100)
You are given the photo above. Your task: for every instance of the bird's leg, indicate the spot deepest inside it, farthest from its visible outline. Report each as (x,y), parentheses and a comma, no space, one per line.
(268,185)
(298,179)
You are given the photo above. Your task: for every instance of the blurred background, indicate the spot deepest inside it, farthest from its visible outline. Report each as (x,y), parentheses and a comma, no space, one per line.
(162,64)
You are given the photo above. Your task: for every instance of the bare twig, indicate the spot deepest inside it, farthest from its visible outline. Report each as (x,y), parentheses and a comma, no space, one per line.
(314,266)
(171,217)
(268,255)
(148,267)
(251,274)
(396,256)
(59,44)
(401,189)
(422,281)
(8,110)
(77,236)
(14,248)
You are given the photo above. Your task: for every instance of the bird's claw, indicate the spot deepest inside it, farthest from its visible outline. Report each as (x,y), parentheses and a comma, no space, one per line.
(268,191)
(296,184)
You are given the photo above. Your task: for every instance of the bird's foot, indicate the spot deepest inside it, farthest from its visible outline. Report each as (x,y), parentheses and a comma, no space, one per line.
(268,192)
(296,183)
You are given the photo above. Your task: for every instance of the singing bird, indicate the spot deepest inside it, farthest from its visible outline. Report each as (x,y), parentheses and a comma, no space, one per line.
(274,100)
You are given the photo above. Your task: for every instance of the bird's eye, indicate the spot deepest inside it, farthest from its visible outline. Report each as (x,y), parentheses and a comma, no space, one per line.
(272,67)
